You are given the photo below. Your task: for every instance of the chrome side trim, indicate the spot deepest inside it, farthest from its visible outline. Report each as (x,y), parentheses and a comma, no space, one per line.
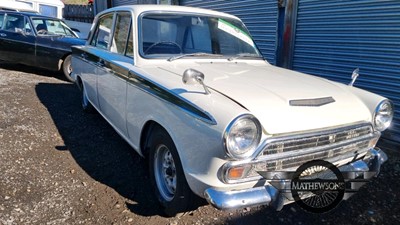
(161,93)
(146,85)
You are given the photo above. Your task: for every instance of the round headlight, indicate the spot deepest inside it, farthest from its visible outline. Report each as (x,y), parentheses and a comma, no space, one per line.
(383,115)
(242,136)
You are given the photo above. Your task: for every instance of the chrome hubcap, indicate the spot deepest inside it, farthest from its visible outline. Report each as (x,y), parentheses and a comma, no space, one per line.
(165,172)
(69,68)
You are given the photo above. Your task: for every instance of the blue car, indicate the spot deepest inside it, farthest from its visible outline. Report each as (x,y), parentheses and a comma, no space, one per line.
(36,40)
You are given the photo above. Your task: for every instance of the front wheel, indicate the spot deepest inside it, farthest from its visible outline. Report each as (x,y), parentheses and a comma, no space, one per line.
(67,68)
(166,174)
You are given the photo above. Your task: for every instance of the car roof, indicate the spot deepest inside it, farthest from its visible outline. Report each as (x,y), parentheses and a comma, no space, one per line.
(10,9)
(138,9)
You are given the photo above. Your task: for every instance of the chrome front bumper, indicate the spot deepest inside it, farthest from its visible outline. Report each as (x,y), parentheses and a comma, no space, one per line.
(272,196)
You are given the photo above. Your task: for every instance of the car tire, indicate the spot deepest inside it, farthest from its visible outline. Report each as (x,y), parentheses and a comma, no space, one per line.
(167,176)
(86,105)
(67,68)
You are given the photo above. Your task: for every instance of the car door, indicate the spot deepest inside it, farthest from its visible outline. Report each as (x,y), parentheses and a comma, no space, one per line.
(48,49)
(17,40)
(112,67)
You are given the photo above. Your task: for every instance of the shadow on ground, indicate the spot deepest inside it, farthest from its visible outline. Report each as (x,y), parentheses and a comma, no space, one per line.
(97,148)
(29,69)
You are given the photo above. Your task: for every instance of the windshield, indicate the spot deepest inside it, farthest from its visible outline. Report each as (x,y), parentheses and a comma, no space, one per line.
(172,35)
(51,27)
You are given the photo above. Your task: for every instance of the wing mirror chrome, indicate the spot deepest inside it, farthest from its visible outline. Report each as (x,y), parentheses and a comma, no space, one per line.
(192,77)
(354,76)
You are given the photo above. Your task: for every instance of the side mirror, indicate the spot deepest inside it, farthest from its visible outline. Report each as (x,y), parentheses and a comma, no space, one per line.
(192,77)
(354,76)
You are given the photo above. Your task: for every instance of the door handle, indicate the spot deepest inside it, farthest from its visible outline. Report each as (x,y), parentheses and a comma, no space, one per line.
(84,55)
(3,34)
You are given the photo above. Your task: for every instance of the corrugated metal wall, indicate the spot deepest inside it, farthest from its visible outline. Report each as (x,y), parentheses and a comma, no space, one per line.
(334,37)
(132,2)
(260,17)
(124,2)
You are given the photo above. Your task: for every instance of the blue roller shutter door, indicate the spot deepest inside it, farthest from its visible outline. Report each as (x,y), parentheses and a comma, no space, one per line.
(124,2)
(335,37)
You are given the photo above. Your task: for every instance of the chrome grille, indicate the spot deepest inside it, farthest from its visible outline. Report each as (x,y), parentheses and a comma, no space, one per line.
(315,140)
(293,151)
(295,161)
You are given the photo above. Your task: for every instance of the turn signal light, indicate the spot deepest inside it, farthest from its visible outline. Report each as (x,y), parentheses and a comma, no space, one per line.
(237,172)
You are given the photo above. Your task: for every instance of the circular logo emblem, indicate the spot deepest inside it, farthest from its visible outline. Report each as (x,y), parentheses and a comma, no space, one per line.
(318,186)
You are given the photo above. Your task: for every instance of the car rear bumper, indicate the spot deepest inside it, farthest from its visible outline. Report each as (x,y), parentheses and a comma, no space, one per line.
(273,196)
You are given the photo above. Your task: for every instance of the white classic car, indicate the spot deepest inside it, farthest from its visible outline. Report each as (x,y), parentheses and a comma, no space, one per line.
(188,89)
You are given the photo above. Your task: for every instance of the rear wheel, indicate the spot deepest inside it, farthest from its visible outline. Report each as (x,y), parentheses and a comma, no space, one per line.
(67,68)
(166,174)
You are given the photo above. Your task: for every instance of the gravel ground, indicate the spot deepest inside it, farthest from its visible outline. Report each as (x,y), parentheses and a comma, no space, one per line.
(59,165)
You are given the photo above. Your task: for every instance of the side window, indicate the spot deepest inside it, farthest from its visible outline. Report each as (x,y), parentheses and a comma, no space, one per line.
(121,32)
(28,28)
(14,23)
(1,20)
(101,37)
(39,24)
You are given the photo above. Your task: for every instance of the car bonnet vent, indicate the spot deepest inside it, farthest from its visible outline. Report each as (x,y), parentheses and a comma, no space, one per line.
(312,102)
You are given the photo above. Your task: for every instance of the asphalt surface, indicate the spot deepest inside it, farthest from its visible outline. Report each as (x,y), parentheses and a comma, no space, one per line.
(59,165)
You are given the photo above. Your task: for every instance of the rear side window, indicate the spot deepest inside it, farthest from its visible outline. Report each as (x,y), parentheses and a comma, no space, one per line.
(121,33)
(1,20)
(102,35)
(14,23)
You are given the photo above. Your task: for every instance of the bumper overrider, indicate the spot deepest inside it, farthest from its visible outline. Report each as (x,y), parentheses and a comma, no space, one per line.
(273,194)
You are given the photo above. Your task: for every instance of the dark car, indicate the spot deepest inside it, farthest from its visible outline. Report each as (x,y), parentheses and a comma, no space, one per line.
(36,40)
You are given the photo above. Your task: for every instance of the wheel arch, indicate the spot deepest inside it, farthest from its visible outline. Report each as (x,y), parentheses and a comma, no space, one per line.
(149,127)
(145,135)
(61,60)
(79,82)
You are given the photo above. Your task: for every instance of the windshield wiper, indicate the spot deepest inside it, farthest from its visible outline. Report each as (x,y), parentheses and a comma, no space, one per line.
(192,54)
(244,55)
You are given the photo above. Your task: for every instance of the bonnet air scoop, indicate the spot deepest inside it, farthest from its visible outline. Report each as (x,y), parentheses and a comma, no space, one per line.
(315,102)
